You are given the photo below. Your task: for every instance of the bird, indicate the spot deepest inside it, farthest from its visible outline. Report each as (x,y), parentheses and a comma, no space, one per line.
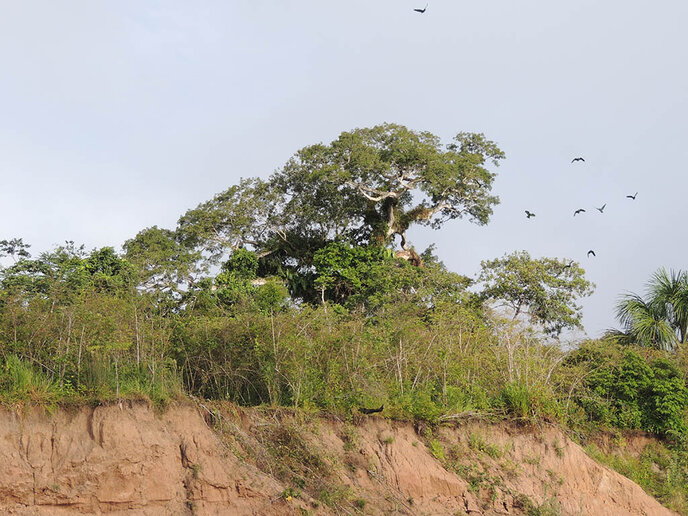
(568,265)
(529,214)
(577,159)
(601,210)
(421,11)
(591,252)
(579,210)
(632,196)
(371,410)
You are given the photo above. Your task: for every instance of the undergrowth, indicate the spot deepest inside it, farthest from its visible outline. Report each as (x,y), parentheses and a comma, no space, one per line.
(660,470)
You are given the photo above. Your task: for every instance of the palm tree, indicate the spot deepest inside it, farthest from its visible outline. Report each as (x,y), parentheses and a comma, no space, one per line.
(670,291)
(661,320)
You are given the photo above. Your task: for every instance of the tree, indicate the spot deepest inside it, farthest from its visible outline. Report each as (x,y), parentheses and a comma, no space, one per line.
(628,389)
(364,188)
(343,270)
(59,273)
(545,289)
(374,183)
(16,248)
(162,263)
(660,320)
(67,271)
(237,284)
(243,215)
(108,272)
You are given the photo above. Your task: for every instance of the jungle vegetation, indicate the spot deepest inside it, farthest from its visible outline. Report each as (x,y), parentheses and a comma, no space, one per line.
(303,290)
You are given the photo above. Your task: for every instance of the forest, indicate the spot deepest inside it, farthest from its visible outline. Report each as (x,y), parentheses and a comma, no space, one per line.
(302,290)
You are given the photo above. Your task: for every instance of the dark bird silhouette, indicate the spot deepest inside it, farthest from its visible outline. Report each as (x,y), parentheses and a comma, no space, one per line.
(529,214)
(421,11)
(632,196)
(580,210)
(577,159)
(591,252)
(568,265)
(601,210)
(371,410)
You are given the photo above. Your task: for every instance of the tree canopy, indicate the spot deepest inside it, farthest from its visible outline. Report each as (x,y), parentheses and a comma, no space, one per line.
(367,186)
(360,191)
(544,289)
(659,320)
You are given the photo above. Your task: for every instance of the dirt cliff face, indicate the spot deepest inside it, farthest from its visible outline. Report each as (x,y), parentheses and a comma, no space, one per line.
(126,460)
(197,459)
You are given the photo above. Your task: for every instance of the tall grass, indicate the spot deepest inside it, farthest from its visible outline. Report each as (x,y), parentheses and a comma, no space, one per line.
(21,381)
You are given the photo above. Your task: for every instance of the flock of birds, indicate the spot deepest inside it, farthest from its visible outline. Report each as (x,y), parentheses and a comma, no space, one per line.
(591,252)
(529,215)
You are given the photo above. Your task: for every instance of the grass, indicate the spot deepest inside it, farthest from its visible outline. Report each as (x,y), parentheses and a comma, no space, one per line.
(659,470)
(335,496)
(437,450)
(23,382)
(533,460)
(550,507)
(386,439)
(478,443)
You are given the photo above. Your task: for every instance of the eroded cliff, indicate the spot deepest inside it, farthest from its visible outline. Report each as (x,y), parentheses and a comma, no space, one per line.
(197,459)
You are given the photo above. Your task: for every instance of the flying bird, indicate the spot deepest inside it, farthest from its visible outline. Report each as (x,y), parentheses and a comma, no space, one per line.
(632,196)
(529,214)
(568,265)
(421,11)
(580,210)
(577,159)
(371,410)
(591,252)
(601,210)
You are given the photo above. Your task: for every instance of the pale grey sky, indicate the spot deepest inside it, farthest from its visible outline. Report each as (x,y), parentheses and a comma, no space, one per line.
(116,116)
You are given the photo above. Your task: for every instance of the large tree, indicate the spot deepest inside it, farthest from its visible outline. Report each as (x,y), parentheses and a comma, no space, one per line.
(375,183)
(367,186)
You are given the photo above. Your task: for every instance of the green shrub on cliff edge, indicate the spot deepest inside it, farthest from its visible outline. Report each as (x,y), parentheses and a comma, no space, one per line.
(629,390)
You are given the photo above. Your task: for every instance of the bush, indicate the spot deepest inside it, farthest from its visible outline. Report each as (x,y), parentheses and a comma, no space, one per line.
(627,389)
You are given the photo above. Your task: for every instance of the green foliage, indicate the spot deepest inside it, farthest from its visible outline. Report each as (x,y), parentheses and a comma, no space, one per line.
(243,265)
(341,201)
(20,381)
(545,289)
(237,285)
(108,271)
(406,336)
(15,247)
(343,271)
(659,470)
(244,214)
(67,272)
(375,183)
(522,401)
(288,291)
(628,390)
(478,443)
(436,449)
(162,264)
(659,321)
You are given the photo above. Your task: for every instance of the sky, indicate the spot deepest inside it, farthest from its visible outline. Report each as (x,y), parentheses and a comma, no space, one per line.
(117,116)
